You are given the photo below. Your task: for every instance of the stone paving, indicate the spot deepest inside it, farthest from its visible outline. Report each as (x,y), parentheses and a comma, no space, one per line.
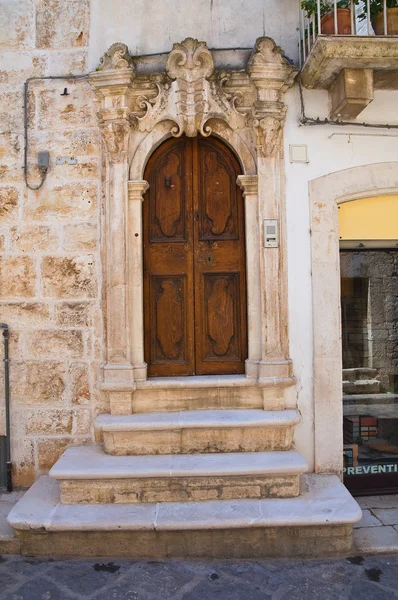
(377,531)
(353,578)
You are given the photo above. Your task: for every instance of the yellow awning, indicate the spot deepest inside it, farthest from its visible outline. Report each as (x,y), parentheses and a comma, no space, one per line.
(369,219)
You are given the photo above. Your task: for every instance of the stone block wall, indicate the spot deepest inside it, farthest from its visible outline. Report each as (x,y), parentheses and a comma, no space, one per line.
(50,262)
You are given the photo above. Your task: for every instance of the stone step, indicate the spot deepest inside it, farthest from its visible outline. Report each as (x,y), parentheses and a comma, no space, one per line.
(362,386)
(196,431)
(359,373)
(318,522)
(87,475)
(203,392)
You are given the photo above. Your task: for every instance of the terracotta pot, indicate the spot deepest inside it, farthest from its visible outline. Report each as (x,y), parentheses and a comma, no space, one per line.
(343,22)
(392,22)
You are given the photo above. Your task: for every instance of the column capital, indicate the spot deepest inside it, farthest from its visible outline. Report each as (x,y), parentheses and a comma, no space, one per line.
(137,189)
(248,184)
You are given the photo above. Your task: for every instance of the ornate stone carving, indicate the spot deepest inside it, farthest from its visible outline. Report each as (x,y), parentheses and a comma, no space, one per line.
(266,52)
(190,64)
(117,57)
(271,74)
(116,138)
(192,96)
(190,61)
(269,130)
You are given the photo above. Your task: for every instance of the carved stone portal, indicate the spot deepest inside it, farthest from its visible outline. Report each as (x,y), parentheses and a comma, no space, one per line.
(191,93)
(190,96)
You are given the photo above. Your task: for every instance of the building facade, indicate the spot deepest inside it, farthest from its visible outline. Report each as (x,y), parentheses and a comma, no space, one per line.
(171,281)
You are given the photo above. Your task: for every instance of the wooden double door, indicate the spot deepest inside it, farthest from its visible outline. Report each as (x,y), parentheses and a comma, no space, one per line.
(194,260)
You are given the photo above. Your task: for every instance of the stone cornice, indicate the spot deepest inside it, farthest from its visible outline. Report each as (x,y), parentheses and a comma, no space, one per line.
(137,189)
(248,184)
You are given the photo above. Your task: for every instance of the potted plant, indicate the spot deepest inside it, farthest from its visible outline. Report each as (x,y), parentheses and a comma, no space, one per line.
(377,16)
(327,15)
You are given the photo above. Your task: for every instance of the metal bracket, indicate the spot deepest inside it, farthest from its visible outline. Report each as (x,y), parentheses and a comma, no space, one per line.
(70,160)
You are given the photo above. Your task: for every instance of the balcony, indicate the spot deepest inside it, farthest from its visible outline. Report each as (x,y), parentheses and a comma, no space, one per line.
(350,48)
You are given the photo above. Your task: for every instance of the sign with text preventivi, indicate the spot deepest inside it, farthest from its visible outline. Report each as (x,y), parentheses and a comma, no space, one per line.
(370,469)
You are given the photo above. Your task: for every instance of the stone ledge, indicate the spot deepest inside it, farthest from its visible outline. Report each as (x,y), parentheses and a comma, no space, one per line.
(197,419)
(90,462)
(324,502)
(331,54)
(198,382)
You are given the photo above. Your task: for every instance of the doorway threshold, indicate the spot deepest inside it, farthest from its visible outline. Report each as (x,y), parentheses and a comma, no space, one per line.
(197,381)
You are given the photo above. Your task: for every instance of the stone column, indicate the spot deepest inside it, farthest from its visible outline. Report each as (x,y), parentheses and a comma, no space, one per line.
(112,83)
(136,191)
(271,75)
(249,186)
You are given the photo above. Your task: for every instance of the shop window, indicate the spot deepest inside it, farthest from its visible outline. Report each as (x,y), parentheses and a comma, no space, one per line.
(368,231)
(369,317)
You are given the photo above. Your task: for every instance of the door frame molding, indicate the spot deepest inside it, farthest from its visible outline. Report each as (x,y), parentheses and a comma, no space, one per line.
(326,193)
(136,114)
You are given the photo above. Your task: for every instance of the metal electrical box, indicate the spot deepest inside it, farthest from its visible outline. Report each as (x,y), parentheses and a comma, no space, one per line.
(271,233)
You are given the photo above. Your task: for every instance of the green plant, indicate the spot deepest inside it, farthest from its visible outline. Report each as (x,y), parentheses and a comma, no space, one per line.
(376,7)
(311,6)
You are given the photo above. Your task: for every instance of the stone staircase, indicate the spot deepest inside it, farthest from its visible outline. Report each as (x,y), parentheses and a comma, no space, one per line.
(200,483)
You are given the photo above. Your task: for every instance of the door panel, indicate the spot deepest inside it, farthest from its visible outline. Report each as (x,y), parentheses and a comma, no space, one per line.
(169,297)
(220,283)
(217,195)
(168,222)
(194,261)
(168,261)
(220,314)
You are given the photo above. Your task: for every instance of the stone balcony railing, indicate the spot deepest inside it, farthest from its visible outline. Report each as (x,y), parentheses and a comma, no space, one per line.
(350,50)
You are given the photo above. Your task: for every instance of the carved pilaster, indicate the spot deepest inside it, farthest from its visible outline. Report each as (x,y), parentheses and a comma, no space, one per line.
(112,83)
(136,191)
(249,186)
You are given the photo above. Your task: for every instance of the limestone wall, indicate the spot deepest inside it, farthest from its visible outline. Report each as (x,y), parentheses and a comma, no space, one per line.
(50,264)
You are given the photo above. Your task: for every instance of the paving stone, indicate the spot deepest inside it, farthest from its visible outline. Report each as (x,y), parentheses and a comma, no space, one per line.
(383,570)
(158,579)
(87,577)
(368,520)
(207,590)
(306,590)
(366,589)
(24,566)
(376,539)
(6,581)
(37,589)
(390,501)
(388,516)
(353,578)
